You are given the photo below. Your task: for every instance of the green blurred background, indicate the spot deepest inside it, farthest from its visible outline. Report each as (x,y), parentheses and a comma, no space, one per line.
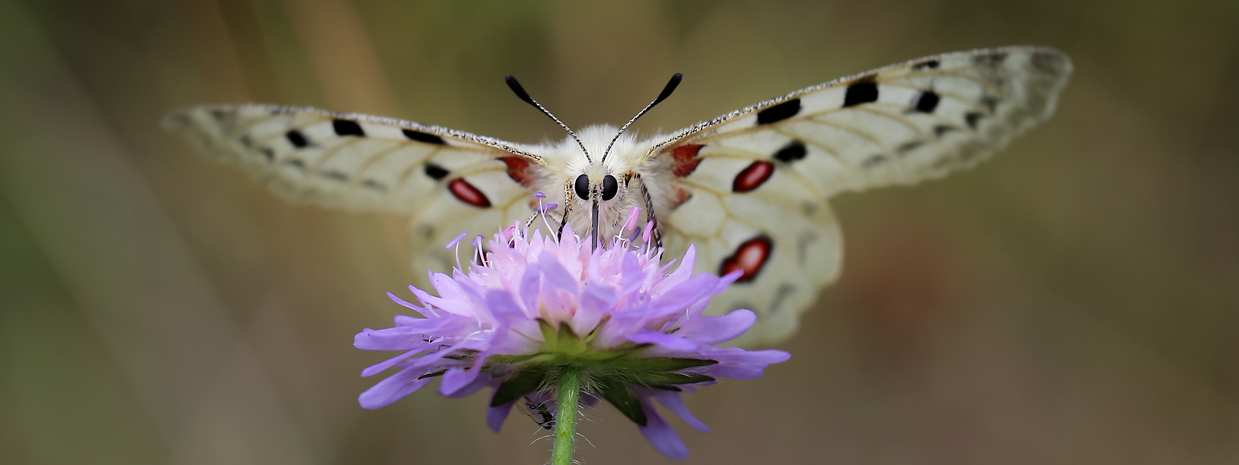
(1072,301)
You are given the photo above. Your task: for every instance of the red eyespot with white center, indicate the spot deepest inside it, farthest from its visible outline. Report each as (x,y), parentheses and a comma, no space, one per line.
(753,176)
(466,193)
(751,256)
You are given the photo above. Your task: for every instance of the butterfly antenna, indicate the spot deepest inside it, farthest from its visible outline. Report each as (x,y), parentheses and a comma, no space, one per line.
(667,90)
(520,93)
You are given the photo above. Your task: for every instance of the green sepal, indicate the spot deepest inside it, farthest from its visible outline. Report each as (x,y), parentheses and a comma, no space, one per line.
(671,378)
(549,338)
(616,392)
(524,382)
(569,343)
(657,365)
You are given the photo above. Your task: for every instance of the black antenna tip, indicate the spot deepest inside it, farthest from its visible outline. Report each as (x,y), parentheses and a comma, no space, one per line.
(671,85)
(518,90)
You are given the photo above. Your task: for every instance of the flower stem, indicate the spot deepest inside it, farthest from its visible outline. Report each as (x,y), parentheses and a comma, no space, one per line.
(565,415)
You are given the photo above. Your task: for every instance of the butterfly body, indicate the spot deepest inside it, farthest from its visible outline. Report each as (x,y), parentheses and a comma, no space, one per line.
(748,189)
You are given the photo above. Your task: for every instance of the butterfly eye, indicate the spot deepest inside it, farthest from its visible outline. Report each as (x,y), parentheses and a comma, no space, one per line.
(609,187)
(582,187)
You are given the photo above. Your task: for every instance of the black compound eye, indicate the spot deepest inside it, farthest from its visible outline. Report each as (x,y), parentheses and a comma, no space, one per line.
(609,187)
(582,187)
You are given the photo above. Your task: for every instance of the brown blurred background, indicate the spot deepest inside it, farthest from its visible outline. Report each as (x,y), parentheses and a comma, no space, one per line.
(1073,301)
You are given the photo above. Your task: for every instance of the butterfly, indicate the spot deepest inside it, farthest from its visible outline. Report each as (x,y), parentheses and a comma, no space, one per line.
(749,189)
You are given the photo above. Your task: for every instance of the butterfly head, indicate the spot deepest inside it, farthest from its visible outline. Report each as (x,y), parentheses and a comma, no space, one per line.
(595,182)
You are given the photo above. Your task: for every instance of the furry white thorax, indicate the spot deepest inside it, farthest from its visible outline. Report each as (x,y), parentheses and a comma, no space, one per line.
(565,162)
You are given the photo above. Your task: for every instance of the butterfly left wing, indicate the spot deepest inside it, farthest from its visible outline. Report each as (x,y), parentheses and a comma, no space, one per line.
(449,181)
(750,188)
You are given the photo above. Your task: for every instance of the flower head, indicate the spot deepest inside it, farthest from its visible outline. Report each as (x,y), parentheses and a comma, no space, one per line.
(531,306)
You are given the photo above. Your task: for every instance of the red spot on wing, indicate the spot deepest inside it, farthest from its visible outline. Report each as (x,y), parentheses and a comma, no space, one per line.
(466,193)
(684,159)
(518,170)
(753,176)
(751,256)
(681,196)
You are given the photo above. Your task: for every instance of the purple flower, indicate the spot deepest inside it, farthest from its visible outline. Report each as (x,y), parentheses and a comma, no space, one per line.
(532,305)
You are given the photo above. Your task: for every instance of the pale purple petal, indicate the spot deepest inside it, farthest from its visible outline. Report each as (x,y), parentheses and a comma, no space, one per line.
(459,382)
(666,341)
(716,329)
(596,301)
(410,336)
(394,388)
(405,304)
(556,274)
(674,403)
(391,362)
(661,435)
(496,415)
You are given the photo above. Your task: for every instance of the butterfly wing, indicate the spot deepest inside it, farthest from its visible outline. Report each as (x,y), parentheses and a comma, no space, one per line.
(750,188)
(449,181)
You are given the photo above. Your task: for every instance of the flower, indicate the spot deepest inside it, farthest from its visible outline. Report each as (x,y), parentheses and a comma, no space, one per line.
(531,306)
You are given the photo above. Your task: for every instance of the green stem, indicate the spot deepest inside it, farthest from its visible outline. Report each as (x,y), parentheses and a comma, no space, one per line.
(565,416)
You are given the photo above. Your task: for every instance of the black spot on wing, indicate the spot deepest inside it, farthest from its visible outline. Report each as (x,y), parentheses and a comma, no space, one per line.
(267,153)
(295,163)
(345,127)
(990,103)
(941,129)
(931,64)
(909,146)
(863,91)
(435,172)
(296,138)
(971,118)
(872,161)
(779,112)
(992,60)
(793,151)
(424,137)
(372,184)
(927,102)
(334,175)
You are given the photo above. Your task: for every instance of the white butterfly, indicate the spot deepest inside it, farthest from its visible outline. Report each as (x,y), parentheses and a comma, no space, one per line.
(748,188)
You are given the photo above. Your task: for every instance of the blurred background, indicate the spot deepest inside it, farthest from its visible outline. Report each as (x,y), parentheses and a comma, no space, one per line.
(1074,300)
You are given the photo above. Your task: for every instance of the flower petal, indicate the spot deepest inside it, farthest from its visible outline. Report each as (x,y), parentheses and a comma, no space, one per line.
(556,274)
(379,367)
(394,388)
(663,340)
(596,301)
(461,382)
(715,329)
(661,435)
(673,402)
(496,415)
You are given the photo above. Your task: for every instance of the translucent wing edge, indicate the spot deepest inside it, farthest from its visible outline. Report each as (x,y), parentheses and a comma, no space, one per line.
(173,121)
(1052,100)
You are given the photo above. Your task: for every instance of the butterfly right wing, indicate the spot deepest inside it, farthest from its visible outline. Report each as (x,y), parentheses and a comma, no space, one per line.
(449,181)
(750,188)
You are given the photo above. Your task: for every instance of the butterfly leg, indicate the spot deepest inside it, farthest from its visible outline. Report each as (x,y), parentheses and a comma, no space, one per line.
(649,212)
(567,209)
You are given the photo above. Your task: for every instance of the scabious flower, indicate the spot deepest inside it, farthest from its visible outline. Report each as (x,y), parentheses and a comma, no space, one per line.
(534,316)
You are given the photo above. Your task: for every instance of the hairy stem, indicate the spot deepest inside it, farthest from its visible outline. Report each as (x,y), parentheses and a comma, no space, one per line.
(565,416)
